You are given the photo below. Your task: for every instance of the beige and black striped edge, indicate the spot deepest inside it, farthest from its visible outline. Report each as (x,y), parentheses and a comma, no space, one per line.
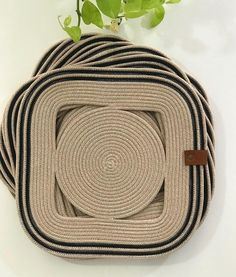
(108,150)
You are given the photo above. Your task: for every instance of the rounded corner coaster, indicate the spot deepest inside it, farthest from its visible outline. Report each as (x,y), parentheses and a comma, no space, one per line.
(114,157)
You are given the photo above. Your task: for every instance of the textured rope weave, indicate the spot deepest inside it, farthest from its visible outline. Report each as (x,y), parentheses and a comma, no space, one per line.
(92,148)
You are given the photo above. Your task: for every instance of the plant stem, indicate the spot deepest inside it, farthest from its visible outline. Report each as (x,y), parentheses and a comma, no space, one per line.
(78,11)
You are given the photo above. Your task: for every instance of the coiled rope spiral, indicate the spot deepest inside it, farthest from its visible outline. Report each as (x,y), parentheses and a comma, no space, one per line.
(108,150)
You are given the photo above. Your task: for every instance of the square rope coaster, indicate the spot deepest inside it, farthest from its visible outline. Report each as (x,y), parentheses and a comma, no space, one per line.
(108,150)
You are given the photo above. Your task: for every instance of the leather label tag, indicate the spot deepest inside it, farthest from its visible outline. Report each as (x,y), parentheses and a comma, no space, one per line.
(195,157)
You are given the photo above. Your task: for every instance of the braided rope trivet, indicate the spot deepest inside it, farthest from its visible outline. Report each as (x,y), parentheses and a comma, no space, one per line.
(108,150)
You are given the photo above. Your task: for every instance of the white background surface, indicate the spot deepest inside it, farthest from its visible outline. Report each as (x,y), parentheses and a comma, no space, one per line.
(199,35)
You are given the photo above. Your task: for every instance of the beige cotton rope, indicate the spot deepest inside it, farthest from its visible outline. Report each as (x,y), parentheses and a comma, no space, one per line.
(108,150)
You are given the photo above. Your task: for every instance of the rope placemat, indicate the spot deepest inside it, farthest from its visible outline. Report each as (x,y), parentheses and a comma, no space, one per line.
(108,150)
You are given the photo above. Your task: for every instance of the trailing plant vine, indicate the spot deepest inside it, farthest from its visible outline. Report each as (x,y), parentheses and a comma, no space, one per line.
(96,12)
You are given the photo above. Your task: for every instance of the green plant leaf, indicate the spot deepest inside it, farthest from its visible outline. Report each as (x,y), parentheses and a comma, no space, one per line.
(173,1)
(67,21)
(135,14)
(74,32)
(133,9)
(157,16)
(91,14)
(133,5)
(151,4)
(110,8)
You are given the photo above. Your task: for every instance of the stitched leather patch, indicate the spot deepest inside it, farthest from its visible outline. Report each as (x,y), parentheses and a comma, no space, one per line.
(195,157)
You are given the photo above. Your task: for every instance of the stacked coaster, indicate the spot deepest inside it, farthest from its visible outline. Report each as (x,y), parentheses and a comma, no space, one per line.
(108,150)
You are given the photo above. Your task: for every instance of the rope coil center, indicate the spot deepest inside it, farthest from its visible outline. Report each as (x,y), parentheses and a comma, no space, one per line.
(109,163)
